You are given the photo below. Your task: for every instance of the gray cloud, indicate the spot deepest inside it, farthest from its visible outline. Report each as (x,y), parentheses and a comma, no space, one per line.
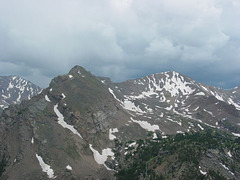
(121,39)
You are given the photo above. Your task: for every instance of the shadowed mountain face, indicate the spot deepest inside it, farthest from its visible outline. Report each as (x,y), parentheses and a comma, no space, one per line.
(14,89)
(76,126)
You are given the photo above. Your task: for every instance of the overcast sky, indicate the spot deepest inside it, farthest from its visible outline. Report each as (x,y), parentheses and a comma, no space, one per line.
(121,39)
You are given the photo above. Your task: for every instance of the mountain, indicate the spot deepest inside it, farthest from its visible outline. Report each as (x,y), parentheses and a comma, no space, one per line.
(82,126)
(172,100)
(14,89)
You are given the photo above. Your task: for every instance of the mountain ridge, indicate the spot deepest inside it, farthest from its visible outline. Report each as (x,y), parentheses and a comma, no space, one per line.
(84,119)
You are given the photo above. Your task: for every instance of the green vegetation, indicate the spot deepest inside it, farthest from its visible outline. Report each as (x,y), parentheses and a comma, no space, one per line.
(179,156)
(3,164)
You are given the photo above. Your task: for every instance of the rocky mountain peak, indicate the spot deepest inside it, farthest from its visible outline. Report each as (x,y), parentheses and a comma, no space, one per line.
(14,89)
(78,69)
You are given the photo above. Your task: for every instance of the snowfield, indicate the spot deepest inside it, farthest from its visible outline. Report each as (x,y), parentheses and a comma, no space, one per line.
(47,99)
(146,125)
(45,167)
(63,123)
(101,158)
(111,131)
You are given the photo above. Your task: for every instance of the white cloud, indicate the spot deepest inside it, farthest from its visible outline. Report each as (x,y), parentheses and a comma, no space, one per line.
(162,49)
(118,38)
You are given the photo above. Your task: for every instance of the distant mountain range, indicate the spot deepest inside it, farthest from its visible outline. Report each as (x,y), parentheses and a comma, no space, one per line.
(14,89)
(88,127)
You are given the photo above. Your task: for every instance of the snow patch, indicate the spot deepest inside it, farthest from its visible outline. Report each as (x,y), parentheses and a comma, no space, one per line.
(209,112)
(229,154)
(19,97)
(111,91)
(200,127)
(161,115)
(10,86)
(129,105)
(79,72)
(111,136)
(230,101)
(202,172)
(47,99)
(68,167)
(101,158)
(14,77)
(155,136)
(32,140)
(196,108)
(218,97)
(207,124)
(63,123)
(225,167)
(146,125)
(180,132)
(236,134)
(45,167)
(204,88)
(179,123)
(5,97)
(63,95)
(132,144)
(169,108)
(200,94)
(176,84)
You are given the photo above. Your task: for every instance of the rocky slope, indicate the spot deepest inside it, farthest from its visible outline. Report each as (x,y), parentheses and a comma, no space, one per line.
(14,89)
(171,101)
(72,130)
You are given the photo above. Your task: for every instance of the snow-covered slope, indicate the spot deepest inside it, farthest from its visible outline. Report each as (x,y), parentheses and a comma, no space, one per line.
(169,96)
(172,88)
(14,89)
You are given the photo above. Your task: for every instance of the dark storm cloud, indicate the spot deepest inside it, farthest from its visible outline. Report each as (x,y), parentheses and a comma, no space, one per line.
(121,39)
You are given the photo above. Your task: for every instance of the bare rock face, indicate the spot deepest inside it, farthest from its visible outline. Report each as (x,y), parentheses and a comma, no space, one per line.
(73,128)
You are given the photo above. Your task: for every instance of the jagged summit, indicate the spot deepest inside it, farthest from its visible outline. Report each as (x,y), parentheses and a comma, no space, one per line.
(78,70)
(169,72)
(14,89)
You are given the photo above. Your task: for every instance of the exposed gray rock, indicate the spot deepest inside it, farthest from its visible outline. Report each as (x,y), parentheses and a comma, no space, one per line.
(79,109)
